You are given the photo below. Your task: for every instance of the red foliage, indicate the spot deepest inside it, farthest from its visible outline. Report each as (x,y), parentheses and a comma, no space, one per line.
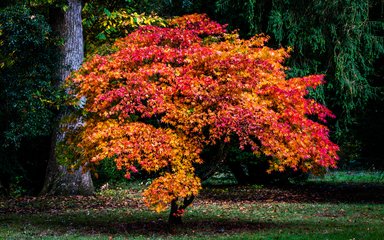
(168,93)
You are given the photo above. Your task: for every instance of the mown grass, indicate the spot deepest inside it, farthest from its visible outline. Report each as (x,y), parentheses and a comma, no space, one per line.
(208,221)
(219,213)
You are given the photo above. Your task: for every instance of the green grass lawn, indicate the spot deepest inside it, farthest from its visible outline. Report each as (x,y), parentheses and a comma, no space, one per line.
(307,211)
(209,220)
(351,177)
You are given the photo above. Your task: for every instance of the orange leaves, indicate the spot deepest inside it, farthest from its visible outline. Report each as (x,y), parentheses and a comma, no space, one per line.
(135,142)
(167,93)
(169,187)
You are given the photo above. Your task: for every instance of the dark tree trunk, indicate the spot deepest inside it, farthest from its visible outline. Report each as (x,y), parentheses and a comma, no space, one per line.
(69,25)
(174,217)
(177,211)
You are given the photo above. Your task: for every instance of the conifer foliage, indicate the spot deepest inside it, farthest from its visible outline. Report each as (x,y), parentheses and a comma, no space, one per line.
(168,93)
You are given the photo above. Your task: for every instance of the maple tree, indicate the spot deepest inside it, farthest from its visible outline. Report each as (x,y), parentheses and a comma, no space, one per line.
(167,93)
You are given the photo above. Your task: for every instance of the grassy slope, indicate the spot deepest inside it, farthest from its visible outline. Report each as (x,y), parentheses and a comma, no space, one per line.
(252,212)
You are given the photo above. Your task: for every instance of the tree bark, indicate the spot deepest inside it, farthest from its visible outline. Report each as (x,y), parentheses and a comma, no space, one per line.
(68,24)
(174,217)
(177,211)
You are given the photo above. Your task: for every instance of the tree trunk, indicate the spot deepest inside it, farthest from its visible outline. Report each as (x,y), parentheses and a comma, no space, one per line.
(68,24)
(174,216)
(177,211)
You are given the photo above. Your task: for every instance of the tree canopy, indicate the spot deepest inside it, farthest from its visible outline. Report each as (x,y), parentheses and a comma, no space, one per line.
(166,94)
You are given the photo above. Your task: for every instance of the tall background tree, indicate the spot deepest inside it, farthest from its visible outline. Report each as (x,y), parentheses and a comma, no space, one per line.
(68,23)
(26,85)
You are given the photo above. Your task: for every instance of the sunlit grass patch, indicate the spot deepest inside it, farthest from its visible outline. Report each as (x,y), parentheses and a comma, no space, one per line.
(350,177)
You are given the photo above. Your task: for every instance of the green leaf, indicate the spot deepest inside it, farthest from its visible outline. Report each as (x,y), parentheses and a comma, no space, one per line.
(107,12)
(101,36)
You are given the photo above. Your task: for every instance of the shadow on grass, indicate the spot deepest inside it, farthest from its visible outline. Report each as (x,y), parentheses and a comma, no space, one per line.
(304,193)
(98,216)
(152,225)
(301,193)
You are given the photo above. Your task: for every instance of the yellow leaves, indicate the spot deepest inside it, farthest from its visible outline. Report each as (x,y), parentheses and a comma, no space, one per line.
(138,143)
(119,23)
(166,188)
(166,94)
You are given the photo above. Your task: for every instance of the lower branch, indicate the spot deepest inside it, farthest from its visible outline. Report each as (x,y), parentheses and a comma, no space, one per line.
(177,211)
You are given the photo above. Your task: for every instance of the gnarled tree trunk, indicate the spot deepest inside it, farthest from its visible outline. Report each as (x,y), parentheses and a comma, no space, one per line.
(177,211)
(68,23)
